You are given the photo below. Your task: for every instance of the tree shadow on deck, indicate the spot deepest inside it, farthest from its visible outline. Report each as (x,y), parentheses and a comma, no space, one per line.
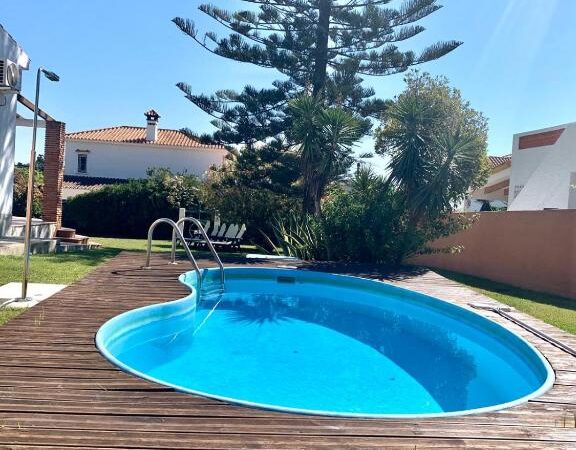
(370,271)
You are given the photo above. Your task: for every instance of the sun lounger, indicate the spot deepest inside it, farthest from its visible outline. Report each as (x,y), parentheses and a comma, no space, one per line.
(226,236)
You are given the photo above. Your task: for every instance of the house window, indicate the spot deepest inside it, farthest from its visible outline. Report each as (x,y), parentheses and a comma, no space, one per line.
(82,163)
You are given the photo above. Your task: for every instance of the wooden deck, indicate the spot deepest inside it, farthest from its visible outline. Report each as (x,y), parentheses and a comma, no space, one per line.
(57,392)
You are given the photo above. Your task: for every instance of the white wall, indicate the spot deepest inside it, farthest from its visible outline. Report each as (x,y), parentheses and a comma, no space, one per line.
(111,160)
(7,140)
(471,204)
(545,172)
(10,50)
(493,179)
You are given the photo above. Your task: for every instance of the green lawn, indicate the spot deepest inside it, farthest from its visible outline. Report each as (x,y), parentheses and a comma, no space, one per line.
(67,268)
(8,314)
(557,311)
(62,268)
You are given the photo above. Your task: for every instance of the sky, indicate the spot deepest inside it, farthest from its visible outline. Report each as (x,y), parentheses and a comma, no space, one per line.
(119,58)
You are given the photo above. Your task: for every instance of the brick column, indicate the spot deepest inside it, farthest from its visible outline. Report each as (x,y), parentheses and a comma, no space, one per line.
(53,172)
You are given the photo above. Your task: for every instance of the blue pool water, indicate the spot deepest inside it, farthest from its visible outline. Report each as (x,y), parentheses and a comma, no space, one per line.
(326,344)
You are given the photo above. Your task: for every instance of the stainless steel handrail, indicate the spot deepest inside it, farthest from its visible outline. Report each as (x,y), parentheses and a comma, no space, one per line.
(179,236)
(206,238)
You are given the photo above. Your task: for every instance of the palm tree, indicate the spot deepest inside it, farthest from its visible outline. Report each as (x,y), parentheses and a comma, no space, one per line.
(437,147)
(432,165)
(325,136)
(436,144)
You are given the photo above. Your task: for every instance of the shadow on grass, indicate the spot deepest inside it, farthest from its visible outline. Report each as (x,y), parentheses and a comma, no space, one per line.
(511,291)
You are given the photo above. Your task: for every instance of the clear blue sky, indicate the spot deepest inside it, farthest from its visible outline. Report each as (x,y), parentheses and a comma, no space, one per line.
(119,58)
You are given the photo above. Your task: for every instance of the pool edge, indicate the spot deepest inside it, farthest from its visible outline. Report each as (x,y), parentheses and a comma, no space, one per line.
(546,386)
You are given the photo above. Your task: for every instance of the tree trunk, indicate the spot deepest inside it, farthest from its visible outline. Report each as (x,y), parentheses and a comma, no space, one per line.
(322,38)
(312,197)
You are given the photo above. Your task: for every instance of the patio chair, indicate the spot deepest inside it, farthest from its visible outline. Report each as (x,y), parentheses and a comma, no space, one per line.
(216,227)
(221,232)
(237,240)
(225,236)
(194,233)
(231,232)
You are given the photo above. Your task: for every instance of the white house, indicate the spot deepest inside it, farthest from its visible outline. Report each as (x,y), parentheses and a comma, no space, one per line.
(544,169)
(12,61)
(125,152)
(539,174)
(495,191)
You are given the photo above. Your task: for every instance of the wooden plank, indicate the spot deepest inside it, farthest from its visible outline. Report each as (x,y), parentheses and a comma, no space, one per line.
(57,391)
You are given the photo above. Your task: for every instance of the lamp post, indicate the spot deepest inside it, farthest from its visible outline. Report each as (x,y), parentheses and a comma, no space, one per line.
(31,169)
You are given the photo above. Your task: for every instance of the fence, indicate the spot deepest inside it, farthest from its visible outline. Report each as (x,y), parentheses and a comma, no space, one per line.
(530,249)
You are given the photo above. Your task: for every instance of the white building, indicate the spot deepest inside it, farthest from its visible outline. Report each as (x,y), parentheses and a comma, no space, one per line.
(544,169)
(540,174)
(495,192)
(128,152)
(12,61)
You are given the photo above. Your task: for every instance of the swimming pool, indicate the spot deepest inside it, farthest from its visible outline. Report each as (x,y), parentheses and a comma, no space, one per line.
(316,343)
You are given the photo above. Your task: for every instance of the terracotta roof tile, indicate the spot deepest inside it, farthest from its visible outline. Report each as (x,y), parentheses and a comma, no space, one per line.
(84,183)
(496,161)
(137,135)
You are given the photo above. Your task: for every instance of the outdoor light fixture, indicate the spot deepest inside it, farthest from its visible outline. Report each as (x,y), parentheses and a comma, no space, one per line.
(30,195)
(50,75)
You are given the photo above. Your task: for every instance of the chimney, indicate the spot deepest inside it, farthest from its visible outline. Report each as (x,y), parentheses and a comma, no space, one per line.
(151,125)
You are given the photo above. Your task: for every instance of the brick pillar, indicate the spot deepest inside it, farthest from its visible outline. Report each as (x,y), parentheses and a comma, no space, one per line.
(53,172)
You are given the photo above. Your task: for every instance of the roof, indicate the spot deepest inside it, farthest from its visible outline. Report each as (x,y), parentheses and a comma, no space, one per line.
(89,184)
(137,135)
(496,161)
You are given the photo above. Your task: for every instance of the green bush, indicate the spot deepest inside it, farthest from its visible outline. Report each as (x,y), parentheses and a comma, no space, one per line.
(128,209)
(363,221)
(256,208)
(21,190)
(359,222)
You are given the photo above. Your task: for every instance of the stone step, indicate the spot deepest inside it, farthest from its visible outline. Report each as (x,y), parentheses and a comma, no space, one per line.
(38,230)
(77,239)
(66,233)
(66,247)
(11,248)
(15,246)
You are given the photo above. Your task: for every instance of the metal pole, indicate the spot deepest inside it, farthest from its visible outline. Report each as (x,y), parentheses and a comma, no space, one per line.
(30,194)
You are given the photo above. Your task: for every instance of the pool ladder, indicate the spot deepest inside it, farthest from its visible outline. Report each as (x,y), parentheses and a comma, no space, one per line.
(177,236)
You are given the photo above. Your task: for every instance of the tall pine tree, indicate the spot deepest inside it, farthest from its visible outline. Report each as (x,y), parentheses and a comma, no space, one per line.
(322,46)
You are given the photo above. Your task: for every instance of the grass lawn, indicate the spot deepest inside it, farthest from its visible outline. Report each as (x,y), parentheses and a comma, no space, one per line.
(7,314)
(557,311)
(66,268)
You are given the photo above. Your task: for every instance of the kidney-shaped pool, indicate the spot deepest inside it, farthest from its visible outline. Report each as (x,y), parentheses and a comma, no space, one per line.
(316,343)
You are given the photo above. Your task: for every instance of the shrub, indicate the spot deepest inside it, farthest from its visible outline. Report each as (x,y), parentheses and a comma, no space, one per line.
(300,235)
(128,209)
(21,190)
(359,222)
(254,207)
(362,222)
(365,221)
